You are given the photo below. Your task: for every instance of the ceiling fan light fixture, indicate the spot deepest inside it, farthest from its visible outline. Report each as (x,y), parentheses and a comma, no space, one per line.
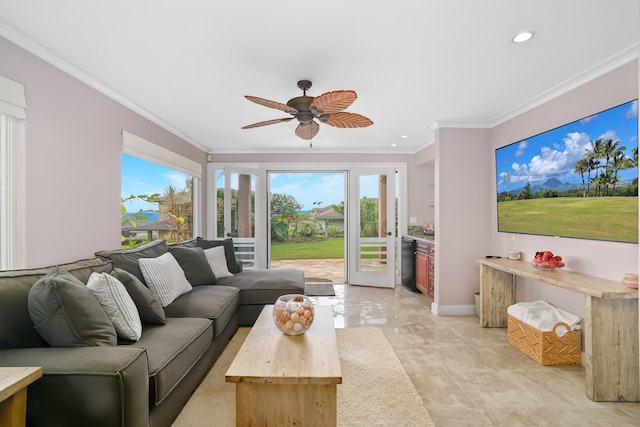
(522,37)
(328,108)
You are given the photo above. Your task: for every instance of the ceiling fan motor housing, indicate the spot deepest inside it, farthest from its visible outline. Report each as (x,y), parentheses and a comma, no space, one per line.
(301,103)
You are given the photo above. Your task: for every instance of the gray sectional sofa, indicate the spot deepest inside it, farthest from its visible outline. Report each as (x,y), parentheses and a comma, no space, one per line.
(93,377)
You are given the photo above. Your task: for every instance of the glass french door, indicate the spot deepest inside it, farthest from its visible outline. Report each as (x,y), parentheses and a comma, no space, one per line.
(239,212)
(372,227)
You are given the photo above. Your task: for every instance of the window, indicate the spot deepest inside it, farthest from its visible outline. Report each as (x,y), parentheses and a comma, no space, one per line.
(12,113)
(158,188)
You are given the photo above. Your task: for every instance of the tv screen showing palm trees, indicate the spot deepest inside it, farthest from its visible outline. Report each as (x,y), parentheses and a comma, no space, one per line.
(579,180)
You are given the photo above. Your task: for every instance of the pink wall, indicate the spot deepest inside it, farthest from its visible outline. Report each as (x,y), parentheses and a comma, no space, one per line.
(462,173)
(603,259)
(73,150)
(466,209)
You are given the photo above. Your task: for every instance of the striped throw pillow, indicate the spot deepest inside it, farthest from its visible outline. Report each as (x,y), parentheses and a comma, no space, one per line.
(218,261)
(118,304)
(164,277)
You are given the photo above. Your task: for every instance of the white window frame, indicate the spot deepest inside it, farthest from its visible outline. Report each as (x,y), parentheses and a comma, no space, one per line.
(141,148)
(12,114)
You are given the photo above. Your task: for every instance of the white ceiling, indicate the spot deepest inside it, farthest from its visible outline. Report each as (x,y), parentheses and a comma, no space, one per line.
(188,64)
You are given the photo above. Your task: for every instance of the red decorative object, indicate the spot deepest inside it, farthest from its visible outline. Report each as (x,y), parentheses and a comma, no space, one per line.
(546,260)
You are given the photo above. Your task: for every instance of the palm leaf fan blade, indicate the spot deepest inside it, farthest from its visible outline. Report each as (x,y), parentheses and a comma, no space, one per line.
(307,131)
(333,102)
(267,122)
(348,120)
(272,104)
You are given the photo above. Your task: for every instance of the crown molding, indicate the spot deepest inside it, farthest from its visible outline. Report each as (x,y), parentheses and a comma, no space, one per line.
(41,52)
(615,61)
(625,56)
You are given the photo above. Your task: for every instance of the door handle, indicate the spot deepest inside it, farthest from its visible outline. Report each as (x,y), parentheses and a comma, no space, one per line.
(228,234)
(389,233)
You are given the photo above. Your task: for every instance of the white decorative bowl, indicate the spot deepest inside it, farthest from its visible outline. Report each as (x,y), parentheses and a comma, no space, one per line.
(293,314)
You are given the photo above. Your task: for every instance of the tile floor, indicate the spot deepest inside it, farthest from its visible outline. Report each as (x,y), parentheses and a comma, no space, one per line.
(469,376)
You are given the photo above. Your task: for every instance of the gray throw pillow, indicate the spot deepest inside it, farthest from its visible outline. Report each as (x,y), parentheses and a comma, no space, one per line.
(228,251)
(127,259)
(149,308)
(195,265)
(67,314)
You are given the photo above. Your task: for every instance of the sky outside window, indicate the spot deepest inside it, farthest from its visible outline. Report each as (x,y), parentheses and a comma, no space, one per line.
(140,177)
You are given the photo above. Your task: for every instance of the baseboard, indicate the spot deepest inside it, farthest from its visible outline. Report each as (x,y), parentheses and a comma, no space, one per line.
(453,310)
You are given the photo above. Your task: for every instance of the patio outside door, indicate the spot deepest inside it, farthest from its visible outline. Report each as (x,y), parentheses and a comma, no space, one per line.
(239,213)
(372,227)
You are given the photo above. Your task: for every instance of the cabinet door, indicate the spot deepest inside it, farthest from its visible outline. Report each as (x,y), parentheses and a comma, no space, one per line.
(431,273)
(422,268)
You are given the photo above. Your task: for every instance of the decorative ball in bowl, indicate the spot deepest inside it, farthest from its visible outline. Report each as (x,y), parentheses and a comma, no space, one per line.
(630,280)
(293,314)
(547,261)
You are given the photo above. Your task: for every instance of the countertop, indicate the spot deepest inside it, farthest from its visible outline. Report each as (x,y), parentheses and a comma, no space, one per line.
(419,235)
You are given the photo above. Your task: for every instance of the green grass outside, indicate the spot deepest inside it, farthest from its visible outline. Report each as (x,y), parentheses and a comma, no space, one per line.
(324,249)
(609,218)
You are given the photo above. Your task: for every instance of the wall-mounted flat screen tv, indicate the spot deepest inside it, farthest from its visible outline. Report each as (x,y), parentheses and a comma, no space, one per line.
(579,180)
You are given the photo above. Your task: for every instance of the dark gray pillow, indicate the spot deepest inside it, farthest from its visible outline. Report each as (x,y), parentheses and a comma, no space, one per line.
(194,264)
(127,259)
(193,243)
(149,308)
(66,313)
(229,253)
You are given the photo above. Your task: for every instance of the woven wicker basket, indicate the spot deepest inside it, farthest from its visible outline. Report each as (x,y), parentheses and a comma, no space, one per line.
(546,348)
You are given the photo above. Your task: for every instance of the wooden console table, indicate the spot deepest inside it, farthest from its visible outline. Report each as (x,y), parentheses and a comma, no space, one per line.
(13,394)
(610,322)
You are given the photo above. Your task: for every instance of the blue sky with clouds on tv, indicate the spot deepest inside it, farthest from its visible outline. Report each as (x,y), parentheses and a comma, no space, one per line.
(553,154)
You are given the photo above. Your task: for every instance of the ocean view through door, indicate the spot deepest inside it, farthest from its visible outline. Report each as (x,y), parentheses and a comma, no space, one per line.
(307,223)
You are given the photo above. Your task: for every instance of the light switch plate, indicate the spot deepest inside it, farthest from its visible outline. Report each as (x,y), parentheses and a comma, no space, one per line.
(413,220)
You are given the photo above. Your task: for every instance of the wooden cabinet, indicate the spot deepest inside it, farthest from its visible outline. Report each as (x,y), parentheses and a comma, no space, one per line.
(425,262)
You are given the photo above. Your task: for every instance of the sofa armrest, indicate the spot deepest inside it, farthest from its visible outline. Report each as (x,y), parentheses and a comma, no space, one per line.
(97,386)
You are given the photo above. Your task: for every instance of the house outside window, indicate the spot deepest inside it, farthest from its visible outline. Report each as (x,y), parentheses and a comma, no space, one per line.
(157,194)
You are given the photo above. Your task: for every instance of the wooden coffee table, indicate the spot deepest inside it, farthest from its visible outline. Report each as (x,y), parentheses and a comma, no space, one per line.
(287,380)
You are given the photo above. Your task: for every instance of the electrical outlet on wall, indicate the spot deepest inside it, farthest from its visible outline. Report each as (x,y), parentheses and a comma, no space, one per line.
(413,220)
(513,236)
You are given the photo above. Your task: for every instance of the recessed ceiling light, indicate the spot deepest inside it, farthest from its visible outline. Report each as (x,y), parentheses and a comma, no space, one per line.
(404,136)
(394,145)
(522,37)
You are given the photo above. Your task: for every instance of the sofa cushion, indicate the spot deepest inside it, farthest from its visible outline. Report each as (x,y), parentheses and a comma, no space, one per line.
(194,264)
(229,253)
(217,303)
(193,243)
(127,259)
(148,306)
(216,259)
(164,277)
(117,303)
(265,286)
(16,327)
(172,349)
(66,314)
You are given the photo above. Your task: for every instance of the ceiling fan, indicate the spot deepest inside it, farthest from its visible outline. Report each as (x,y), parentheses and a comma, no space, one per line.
(327,108)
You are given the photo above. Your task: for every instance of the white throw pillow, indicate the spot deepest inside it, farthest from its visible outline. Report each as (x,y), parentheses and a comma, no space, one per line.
(218,261)
(118,304)
(164,277)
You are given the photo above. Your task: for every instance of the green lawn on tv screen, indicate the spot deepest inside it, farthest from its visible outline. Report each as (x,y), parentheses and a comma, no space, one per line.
(604,218)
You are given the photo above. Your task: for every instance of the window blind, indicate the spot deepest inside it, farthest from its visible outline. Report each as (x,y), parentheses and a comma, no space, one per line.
(12,100)
(141,148)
